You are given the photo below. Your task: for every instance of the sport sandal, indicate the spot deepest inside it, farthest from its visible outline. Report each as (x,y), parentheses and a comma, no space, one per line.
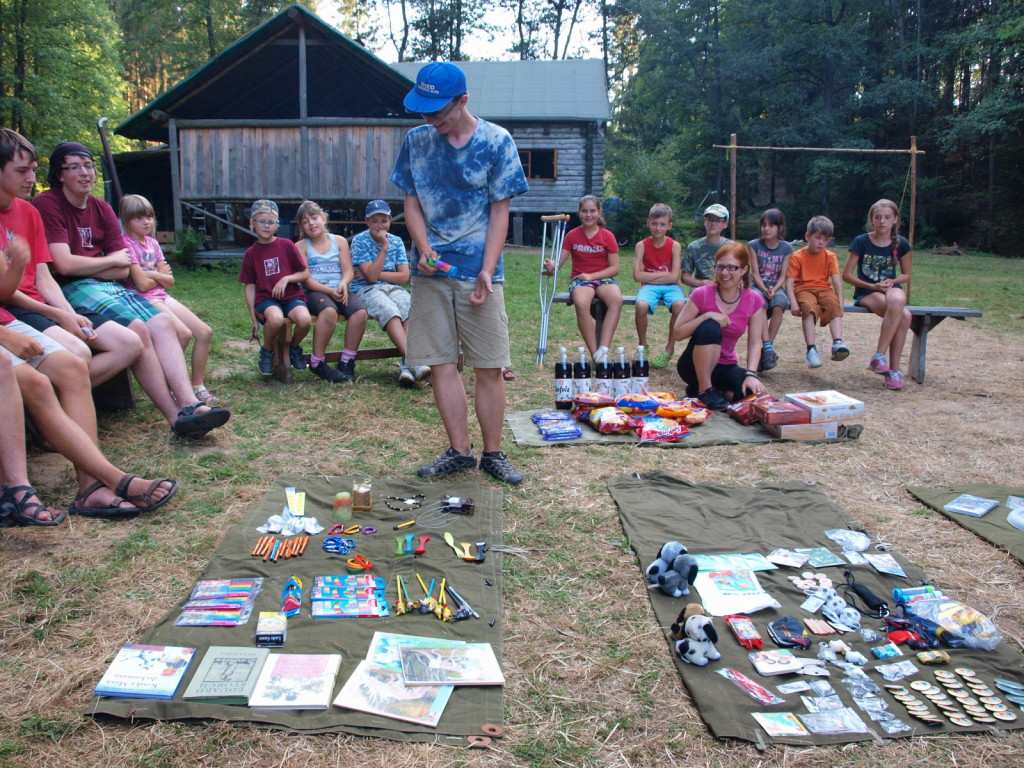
(192,424)
(144,501)
(21,505)
(112,511)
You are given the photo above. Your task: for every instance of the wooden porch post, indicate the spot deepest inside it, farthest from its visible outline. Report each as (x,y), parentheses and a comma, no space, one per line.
(172,143)
(303,111)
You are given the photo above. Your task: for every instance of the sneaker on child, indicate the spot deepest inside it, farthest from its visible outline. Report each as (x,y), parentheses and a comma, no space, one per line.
(894,380)
(296,358)
(713,399)
(839,350)
(325,372)
(879,363)
(406,377)
(601,355)
(421,372)
(448,463)
(813,358)
(266,362)
(769,357)
(347,370)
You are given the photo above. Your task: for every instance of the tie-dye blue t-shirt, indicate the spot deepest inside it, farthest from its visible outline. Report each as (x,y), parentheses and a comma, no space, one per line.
(455,188)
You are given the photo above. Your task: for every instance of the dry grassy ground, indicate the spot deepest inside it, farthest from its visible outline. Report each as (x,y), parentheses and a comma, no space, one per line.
(590,679)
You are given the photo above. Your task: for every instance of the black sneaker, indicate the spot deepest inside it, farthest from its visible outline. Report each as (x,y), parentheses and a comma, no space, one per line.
(266,362)
(347,370)
(498,466)
(325,372)
(713,399)
(769,359)
(448,463)
(296,358)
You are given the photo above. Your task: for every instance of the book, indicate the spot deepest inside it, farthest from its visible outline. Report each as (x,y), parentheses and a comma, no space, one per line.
(145,671)
(227,674)
(381,690)
(827,405)
(469,664)
(296,681)
(780,723)
(972,506)
(385,647)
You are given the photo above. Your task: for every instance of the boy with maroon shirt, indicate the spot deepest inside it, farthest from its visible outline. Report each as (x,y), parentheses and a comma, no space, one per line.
(85,242)
(273,272)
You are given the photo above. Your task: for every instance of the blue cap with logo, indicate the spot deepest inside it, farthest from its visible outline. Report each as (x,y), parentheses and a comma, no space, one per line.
(377,206)
(437,84)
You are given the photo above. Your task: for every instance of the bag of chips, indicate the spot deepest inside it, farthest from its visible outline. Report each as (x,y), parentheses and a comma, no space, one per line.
(659,430)
(662,397)
(743,410)
(674,409)
(636,403)
(593,400)
(611,420)
(696,417)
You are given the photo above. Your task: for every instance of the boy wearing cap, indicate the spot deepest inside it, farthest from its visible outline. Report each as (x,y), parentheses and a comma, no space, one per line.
(459,173)
(698,266)
(382,268)
(88,251)
(273,272)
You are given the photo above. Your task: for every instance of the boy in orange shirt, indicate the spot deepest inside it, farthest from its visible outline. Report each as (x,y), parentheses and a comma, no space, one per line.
(815,289)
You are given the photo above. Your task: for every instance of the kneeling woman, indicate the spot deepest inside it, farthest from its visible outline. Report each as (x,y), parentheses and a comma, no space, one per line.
(714,319)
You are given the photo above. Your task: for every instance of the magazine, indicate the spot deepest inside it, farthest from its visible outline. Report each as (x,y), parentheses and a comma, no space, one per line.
(469,664)
(381,690)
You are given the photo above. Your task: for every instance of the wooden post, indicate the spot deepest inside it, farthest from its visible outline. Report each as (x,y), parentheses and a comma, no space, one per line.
(912,224)
(303,110)
(732,186)
(172,143)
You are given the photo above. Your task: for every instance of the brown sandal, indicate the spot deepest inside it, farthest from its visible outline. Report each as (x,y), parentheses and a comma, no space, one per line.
(113,511)
(144,501)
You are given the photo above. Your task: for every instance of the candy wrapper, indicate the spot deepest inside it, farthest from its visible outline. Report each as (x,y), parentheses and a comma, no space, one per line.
(544,417)
(611,421)
(658,430)
(636,402)
(559,431)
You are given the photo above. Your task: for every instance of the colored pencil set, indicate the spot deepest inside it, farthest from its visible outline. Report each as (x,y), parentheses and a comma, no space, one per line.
(270,548)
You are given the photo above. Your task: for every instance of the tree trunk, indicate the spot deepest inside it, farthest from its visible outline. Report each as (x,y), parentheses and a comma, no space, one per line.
(211,45)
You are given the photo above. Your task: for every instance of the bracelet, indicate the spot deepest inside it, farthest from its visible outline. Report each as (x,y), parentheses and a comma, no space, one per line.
(753,374)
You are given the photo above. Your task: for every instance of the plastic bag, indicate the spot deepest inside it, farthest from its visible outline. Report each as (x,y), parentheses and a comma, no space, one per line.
(559,431)
(636,402)
(611,421)
(962,626)
(593,400)
(659,430)
(549,416)
(697,417)
(850,541)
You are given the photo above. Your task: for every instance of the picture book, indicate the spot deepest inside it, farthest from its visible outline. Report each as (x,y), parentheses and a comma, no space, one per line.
(381,690)
(296,681)
(469,664)
(780,724)
(384,650)
(972,506)
(732,591)
(227,674)
(145,672)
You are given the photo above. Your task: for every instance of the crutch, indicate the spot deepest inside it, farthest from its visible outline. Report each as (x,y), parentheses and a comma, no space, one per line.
(549,283)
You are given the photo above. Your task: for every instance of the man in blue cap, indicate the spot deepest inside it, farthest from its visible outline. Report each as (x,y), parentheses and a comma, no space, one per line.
(459,173)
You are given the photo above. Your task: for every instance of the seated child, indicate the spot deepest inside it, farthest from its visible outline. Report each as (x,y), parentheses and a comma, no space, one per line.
(595,262)
(656,268)
(382,268)
(769,275)
(879,269)
(698,267)
(815,289)
(327,293)
(273,273)
(150,276)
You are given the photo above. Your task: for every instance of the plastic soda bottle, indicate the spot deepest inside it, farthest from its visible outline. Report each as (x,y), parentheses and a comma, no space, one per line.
(621,374)
(581,373)
(563,382)
(641,371)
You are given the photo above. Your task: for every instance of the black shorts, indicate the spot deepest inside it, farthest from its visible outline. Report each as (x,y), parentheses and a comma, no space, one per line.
(318,302)
(42,322)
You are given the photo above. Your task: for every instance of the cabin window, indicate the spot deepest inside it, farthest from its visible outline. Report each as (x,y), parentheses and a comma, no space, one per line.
(539,163)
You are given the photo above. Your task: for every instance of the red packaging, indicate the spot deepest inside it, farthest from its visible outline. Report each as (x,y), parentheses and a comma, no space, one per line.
(743,410)
(778,412)
(745,631)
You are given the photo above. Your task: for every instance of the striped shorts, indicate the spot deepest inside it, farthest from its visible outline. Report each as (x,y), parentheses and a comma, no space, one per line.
(108,299)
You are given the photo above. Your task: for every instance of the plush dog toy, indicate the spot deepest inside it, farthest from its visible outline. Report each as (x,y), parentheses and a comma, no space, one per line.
(673,571)
(699,636)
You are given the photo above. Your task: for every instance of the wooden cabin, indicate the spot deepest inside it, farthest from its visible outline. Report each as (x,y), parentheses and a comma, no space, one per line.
(295,110)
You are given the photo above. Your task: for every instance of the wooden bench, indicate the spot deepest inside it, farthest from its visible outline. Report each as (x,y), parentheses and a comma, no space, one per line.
(923,319)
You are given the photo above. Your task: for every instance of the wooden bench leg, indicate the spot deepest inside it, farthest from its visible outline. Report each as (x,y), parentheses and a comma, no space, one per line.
(920,325)
(598,309)
(282,365)
(115,394)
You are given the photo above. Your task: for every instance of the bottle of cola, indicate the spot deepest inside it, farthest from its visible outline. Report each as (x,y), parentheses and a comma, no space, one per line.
(621,375)
(641,371)
(563,382)
(581,373)
(603,382)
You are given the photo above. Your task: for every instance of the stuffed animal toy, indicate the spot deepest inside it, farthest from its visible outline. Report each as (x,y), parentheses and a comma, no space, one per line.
(673,571)
(836,609)
(697,646)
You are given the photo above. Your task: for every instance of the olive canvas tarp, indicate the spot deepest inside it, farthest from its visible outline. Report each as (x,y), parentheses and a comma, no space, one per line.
(481,584)
(993,527)
(718,519)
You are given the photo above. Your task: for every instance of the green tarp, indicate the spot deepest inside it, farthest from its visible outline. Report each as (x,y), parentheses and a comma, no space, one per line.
(719,430)
(480,584)
(993,527)
(717,519)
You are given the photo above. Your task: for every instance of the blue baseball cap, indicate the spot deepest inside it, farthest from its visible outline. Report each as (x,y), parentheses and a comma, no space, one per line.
(437,84)
(377,206)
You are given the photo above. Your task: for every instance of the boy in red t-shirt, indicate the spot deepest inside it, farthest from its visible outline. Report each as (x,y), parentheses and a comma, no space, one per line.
(815,289)
(656,267)
(273,272)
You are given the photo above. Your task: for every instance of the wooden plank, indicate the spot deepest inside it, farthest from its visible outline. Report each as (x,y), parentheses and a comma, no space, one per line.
(172,133)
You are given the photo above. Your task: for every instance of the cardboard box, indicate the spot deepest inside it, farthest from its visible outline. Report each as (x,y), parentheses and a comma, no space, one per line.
(827,405)
(824,430)
(779,412)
